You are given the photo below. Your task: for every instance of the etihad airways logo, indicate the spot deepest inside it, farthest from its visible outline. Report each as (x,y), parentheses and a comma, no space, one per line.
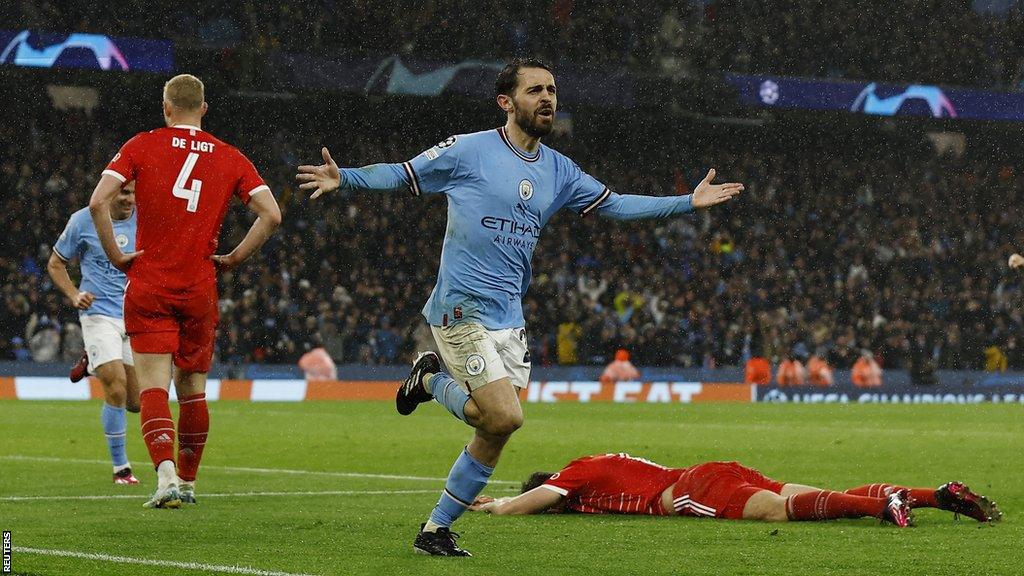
(509,225)
(21,53)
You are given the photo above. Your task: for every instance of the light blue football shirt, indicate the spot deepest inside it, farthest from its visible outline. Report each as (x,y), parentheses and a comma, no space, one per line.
(499,199)
(99,276)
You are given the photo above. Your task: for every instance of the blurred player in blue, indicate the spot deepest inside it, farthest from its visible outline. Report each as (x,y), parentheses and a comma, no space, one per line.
(100,302)
(503,186)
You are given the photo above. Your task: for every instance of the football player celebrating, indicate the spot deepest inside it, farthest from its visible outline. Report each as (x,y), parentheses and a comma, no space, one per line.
(503,186)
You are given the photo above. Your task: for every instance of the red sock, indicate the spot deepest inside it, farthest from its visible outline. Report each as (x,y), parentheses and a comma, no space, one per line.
(157,426)
(919,497)
(827,505)
(193,425)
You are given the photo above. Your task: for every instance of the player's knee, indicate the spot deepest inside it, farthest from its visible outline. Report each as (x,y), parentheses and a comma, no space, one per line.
(504,424)
(766,507)
(773,514)
(115,395)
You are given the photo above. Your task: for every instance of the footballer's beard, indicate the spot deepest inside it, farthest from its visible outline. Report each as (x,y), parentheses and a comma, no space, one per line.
(533,124)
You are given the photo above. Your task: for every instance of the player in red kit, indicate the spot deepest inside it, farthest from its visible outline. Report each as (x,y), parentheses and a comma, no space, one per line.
(184,180)
(624,484)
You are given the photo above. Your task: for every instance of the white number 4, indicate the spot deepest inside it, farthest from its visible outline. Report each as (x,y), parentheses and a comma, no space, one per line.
(181,191)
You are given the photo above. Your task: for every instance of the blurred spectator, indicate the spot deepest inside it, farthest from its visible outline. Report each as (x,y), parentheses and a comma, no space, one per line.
(620,369)
(819,373)
(922,365)
(45,341)
(995,360)
(791,373)
(758,371)
(569,333)
(317,365)
(866,371)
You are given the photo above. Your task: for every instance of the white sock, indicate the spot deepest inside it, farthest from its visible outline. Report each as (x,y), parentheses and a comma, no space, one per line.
(166,474)
(122,467)
(431,527)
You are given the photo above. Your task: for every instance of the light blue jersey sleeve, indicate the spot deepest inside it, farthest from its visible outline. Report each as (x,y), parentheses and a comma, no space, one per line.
(586,195)
(583,192)
(432,171)
(69,242)
(633,207)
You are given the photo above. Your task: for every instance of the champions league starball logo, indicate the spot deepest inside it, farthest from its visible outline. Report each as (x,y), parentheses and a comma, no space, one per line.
(769,92)
(19,51)
(938,104)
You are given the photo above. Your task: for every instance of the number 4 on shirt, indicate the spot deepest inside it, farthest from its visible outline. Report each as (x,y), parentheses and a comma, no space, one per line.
(188,193)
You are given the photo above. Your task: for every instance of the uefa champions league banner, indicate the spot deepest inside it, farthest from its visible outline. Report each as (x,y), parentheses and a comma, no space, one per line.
(877,98)
(89,51)
(903,393)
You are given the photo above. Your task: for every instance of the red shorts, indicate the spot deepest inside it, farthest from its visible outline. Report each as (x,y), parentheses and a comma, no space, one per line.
(182,324)
(719,490)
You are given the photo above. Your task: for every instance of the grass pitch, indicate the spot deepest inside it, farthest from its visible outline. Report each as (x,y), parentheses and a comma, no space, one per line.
(340,488)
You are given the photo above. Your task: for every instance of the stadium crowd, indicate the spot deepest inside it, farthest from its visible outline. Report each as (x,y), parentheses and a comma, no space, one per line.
(932,41)
(823,254)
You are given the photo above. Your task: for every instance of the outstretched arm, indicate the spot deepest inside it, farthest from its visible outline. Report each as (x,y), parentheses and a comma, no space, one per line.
(632,207)
(535,501)
(328,177)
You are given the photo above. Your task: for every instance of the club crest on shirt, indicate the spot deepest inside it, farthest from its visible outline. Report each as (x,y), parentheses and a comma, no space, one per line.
(525,189)
(122,240)
(475,365)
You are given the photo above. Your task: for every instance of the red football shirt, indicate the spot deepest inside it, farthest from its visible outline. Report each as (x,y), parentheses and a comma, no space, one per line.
(184,179)
(613,483)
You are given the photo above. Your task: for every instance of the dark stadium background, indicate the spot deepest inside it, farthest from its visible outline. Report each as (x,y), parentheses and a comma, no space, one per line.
(650,109)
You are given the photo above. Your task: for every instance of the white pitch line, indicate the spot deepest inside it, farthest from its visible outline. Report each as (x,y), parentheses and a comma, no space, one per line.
(223,495)
(150,562)
(243,469)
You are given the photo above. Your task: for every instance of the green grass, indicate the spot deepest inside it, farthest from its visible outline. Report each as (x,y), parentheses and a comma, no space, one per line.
(830,446)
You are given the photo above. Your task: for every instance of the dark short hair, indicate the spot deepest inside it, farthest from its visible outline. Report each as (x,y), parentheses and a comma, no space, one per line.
(535,480)
(509,75)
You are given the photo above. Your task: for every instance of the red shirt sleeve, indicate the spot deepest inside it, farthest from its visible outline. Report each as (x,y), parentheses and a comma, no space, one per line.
(123,165)
(250,181)
(570,479)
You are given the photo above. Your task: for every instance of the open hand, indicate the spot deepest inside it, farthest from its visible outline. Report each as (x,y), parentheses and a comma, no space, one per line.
(321,179)
(708,194)
(480,503)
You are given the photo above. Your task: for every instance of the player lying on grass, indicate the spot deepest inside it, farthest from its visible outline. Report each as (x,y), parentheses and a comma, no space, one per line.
(624,484)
